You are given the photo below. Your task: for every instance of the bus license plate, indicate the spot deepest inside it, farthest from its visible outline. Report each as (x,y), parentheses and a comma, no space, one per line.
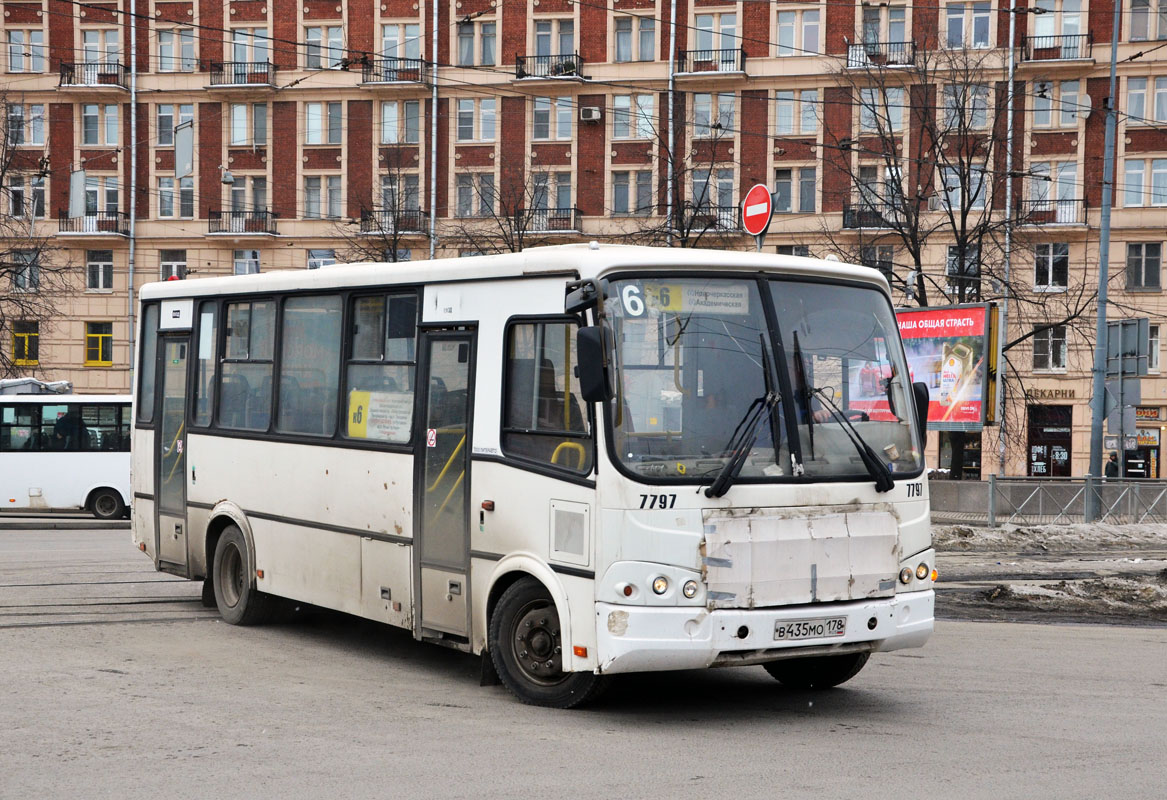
(825,628)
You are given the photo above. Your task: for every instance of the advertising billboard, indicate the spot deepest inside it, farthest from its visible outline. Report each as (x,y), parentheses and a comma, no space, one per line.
(949,349)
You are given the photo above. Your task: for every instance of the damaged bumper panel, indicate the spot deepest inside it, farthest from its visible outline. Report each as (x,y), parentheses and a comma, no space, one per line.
(642,639)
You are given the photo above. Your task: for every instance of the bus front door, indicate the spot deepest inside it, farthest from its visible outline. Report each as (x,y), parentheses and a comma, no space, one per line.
(442,478)
(170,458)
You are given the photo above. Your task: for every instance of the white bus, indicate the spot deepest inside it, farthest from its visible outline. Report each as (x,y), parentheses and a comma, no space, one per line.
(65,451)
(576,461)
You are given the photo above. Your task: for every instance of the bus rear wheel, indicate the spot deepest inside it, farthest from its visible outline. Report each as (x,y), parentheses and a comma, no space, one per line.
(818,672)
(527,651)
(107,504)
(238,601)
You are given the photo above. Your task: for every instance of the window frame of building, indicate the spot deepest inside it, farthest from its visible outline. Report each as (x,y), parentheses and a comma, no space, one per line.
(399,128)
(882,109)
(401,44)
(965,106)
(27,124)
(1159,95)
(1049,349)
(632,192)
(28,51)
(1058,105)
(102,194)
(1147,23)
(1144,264)
(249,45)
(474,194)
(954,194)
(99,344)
(99,270)
(1154,344)
(176,197)
(475,119)
(797,31)
(249,258)
(28,277)
(324,122)
(1136,100)
(1051,266)
(708,106)
(26,336)
(172,264)
(324,47)
(551,119)
(105,125)
(475,43)
(550,184)
(970,271)
(710,31)
(323,196)
(633,38)
(17,194)
(1144,183)
(879,257)
(410,194)
(628,124)
(176,49)
(247,124)
(318,258)
(722,179)
(549,35)
(101,45)
(164,131)
(246,191)
(883,24)
(971,35)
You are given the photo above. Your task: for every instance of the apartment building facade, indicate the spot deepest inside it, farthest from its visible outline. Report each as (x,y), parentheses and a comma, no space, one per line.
(326,131)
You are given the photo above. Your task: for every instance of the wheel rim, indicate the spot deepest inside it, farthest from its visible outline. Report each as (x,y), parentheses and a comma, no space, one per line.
(535,644)
(105,505)
(231,576)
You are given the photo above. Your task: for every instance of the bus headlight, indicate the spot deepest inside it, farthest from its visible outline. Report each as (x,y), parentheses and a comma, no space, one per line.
(922,571)
(660,585)
(689,589)
(906,575)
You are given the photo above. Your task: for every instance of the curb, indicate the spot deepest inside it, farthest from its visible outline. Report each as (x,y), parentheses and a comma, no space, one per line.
(71,525)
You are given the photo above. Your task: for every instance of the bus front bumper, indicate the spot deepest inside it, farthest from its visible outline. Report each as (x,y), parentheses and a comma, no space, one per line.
(641,639)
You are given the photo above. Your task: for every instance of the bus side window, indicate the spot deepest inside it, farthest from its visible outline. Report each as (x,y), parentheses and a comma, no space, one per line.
(309,365)
(543,418)
(149,357)
(17,431)
(381,368)
(245,382)
(204,388)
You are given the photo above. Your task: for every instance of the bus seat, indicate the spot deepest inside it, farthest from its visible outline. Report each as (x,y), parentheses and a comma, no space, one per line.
(233,396)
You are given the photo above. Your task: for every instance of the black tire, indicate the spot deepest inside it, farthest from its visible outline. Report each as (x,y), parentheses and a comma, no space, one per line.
(208,598)
(238,601)
(107,504)
(818,672)
(525,623)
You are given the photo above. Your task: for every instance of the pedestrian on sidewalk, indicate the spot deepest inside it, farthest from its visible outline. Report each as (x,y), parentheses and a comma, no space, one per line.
(1111,470)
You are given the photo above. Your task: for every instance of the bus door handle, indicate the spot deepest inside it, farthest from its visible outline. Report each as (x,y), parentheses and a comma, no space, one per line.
(455,587)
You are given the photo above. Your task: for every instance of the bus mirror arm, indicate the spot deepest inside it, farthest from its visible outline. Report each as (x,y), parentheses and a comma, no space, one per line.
(584,294)
(920,395)
(593,344)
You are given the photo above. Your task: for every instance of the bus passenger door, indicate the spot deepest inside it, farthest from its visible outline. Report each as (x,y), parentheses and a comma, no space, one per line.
(442,478)
(170,458)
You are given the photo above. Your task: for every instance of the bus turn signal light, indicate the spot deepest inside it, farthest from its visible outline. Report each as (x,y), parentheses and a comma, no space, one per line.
(935,576)
(259,574)
(142,546)
(581,652)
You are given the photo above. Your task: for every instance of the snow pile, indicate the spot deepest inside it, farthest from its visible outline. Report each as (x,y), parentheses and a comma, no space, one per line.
(1078,537)
(1143,597)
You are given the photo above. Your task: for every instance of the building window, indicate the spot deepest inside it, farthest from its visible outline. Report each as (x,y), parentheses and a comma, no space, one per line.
(474,194)
(1142,265)
(632,192)
(1136,100)
(26,343)
(399,122)
(966,106)
(632,116)
(798,32)
(400,192)
(550,190)
(99,344)
(176,50)
(26,196)
(880,257)
(249,193)
(712,112)
(783,191)
(322,197)
(635,39)
(101,46)
(713,188)
(964,274)
(401,40)
(1134,182)
(551,118)
(1145,23)
(807,190)
(99,124)
(1153,348)
(249,124)
(797,112)
(26,51)
(167,122)
(248,45)
(961,197)
(26,124)
(321,258)
(1049,348)
(246,262)
(25,271)
(1051,267)
(554,37)
(881,110)
(324,47)
(476,119)
(884,25)
(801,250)
(322,123)
(99,270)
(716,32)
(477,44)
(101,195)
(967,25)
(171,264)
(170,191)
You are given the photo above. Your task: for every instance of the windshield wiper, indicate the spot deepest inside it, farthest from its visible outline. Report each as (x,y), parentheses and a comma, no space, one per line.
(741,443)
(804,391)
(875,467)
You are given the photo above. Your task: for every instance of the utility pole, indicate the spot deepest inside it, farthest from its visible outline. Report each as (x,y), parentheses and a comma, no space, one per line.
(1098,398)
(1003,316)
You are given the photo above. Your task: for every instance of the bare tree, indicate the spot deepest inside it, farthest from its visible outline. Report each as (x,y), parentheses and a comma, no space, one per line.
(389,220)
(34,274)
(524,210)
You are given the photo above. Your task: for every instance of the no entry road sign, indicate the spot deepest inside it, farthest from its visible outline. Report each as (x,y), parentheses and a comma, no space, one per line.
(757,208)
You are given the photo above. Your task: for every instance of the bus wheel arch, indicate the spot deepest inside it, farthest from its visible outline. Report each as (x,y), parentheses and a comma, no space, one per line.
(224,515)
(513,569)
(106,503)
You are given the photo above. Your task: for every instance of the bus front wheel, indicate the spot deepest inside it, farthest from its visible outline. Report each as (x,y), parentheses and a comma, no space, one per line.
(107,504)
(239,602)
(527,650)
(818,672)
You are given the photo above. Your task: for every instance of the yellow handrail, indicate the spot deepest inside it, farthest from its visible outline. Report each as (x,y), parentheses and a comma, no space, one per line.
(446,468)
(570,446)
(453,489)
(170,449)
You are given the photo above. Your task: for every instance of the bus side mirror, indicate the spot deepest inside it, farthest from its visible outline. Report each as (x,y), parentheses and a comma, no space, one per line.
(592,344)
(920,395)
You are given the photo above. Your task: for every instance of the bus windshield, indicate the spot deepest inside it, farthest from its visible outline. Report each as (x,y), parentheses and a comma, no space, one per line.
(693,355)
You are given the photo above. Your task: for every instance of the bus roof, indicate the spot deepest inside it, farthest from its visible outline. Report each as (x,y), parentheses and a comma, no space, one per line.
(585,260)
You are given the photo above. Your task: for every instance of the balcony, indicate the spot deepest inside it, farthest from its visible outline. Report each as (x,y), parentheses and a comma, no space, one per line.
(703,62)
(1066,211)
(871,214)
(548,220)
(396,70)
(1058,48)
(96,74)
(393,222)
(242,223)
(881,54)
(709,217)
(101,223)
(231,74)
(549,67)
